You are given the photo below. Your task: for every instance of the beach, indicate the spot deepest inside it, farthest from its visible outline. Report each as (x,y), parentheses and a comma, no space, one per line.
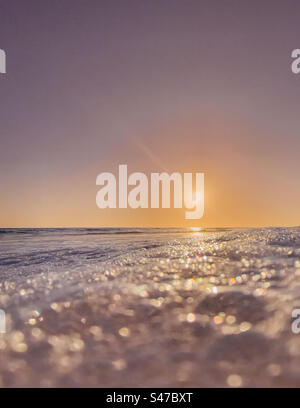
(149,307)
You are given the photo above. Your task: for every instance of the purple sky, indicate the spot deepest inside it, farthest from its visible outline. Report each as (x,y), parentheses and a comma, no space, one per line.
(161,84)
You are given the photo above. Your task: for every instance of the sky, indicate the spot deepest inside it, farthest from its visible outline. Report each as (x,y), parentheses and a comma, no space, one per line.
(160,85)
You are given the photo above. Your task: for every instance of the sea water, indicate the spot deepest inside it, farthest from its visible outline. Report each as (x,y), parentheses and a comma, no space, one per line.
(149,307)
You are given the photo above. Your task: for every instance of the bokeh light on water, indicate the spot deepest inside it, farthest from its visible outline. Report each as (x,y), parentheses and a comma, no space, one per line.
(149,308)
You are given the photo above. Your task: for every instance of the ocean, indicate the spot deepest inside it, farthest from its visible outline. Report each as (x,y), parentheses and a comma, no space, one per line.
(149,307)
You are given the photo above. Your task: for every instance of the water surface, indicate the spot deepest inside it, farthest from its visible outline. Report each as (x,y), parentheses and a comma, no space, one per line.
(149,307)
